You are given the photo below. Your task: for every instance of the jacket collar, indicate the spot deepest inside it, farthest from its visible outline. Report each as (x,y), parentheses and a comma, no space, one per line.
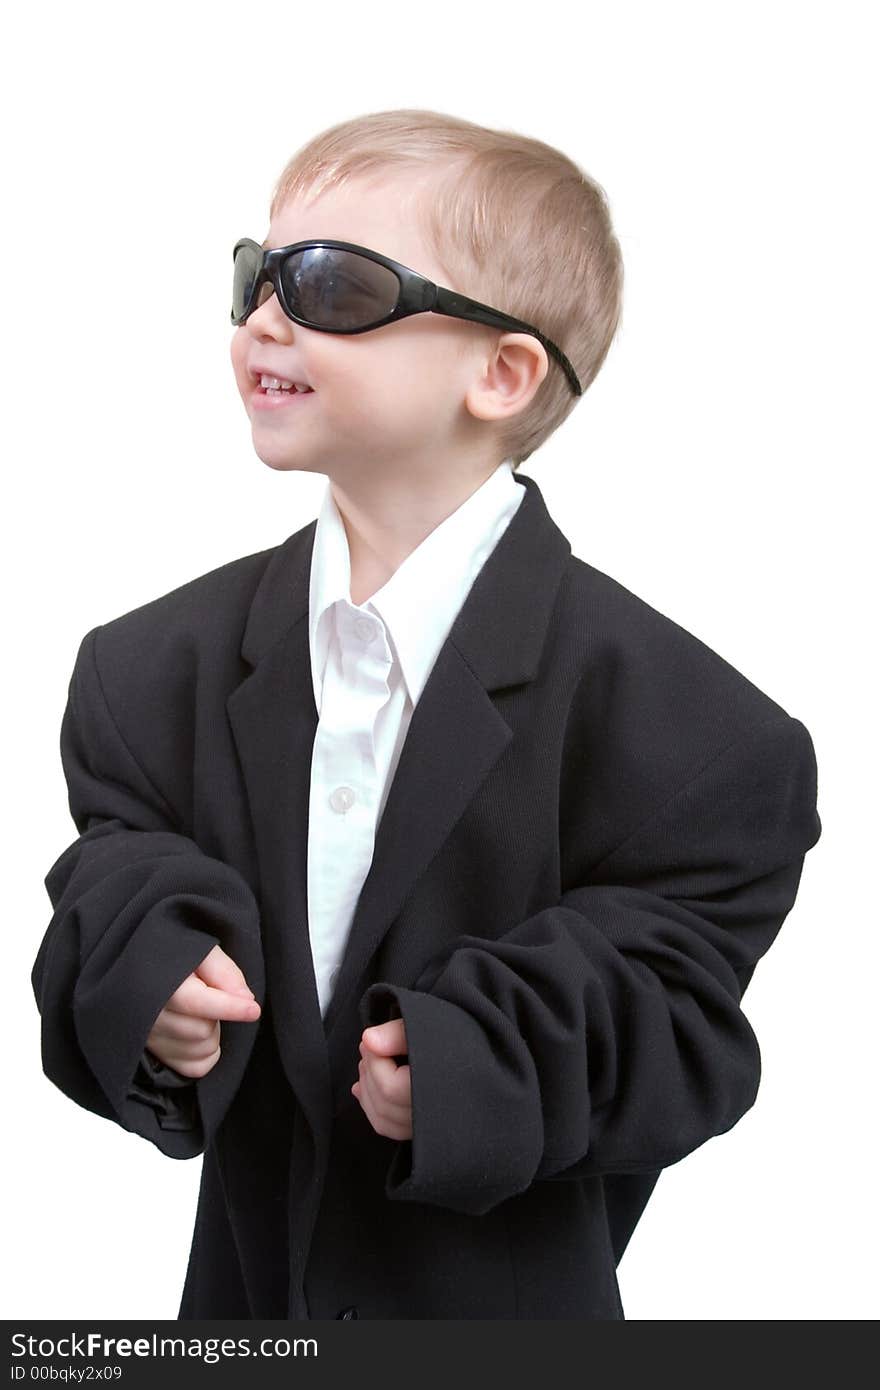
(500,628)
(454,739)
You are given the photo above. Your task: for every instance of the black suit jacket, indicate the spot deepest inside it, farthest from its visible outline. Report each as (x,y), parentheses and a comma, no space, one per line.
(596,829)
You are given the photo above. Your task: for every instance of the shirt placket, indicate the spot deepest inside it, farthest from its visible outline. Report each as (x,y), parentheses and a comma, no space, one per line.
(346,784)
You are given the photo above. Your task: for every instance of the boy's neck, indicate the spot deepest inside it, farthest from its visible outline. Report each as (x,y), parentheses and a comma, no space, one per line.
(380,538)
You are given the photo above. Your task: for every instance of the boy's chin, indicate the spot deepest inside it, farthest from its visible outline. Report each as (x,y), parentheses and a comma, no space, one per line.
(288,465)
(281,456)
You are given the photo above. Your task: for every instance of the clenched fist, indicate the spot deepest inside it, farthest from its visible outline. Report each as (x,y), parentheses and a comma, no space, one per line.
(186,1034)
(383,1088)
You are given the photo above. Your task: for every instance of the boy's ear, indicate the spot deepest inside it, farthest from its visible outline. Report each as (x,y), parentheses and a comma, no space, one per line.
(512,374)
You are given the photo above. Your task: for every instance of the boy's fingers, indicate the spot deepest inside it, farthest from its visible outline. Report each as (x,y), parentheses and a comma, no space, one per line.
(180,1027)
(195,997)
(388,1080)
(220,970)
(387,1038)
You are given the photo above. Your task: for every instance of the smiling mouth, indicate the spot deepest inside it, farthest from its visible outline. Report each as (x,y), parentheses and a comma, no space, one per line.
(267,398)
(283,390)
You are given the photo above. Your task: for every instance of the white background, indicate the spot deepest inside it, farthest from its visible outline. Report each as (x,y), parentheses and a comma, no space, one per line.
(719,467)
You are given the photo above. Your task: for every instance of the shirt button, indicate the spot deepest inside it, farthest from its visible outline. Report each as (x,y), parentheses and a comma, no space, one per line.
(342,799)
(364,628)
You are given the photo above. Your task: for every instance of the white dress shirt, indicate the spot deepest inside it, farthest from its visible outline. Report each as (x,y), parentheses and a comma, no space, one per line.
(370,663)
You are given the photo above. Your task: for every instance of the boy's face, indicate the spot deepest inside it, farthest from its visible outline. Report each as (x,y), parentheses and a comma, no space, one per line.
(389,403)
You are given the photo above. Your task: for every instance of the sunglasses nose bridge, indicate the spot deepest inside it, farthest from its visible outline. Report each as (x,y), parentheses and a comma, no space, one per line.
(266,288)
(268,283)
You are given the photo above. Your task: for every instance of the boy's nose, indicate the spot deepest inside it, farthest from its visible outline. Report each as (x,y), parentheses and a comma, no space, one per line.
(268,315)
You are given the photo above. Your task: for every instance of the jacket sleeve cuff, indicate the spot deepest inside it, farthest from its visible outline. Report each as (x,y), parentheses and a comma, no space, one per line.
(113,1018)
(477,1125)
(167,1092)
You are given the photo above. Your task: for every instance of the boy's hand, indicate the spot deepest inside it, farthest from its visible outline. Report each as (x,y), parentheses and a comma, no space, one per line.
(383,1088)
(186,1035)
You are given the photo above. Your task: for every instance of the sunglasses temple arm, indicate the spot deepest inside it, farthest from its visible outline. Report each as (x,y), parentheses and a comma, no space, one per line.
(460,307)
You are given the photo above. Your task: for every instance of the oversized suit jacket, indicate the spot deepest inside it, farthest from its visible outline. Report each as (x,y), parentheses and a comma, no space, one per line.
(596,829)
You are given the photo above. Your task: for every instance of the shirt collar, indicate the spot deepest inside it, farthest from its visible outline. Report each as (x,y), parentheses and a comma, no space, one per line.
(417,611)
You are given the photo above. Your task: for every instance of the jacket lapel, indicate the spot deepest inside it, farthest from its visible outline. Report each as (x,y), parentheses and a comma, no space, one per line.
(455,737)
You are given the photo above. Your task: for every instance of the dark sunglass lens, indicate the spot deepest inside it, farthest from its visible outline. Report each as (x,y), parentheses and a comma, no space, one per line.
(244,273)
(338,289)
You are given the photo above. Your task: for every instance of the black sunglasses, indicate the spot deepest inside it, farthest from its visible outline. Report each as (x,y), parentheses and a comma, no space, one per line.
(337,287)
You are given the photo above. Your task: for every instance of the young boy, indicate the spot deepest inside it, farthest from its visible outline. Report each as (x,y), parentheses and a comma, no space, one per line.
(421,866)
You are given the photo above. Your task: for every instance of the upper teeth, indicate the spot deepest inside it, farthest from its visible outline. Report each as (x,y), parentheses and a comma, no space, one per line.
(274,383)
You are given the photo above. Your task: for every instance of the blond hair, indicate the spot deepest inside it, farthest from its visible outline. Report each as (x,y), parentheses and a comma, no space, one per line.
(514,223)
